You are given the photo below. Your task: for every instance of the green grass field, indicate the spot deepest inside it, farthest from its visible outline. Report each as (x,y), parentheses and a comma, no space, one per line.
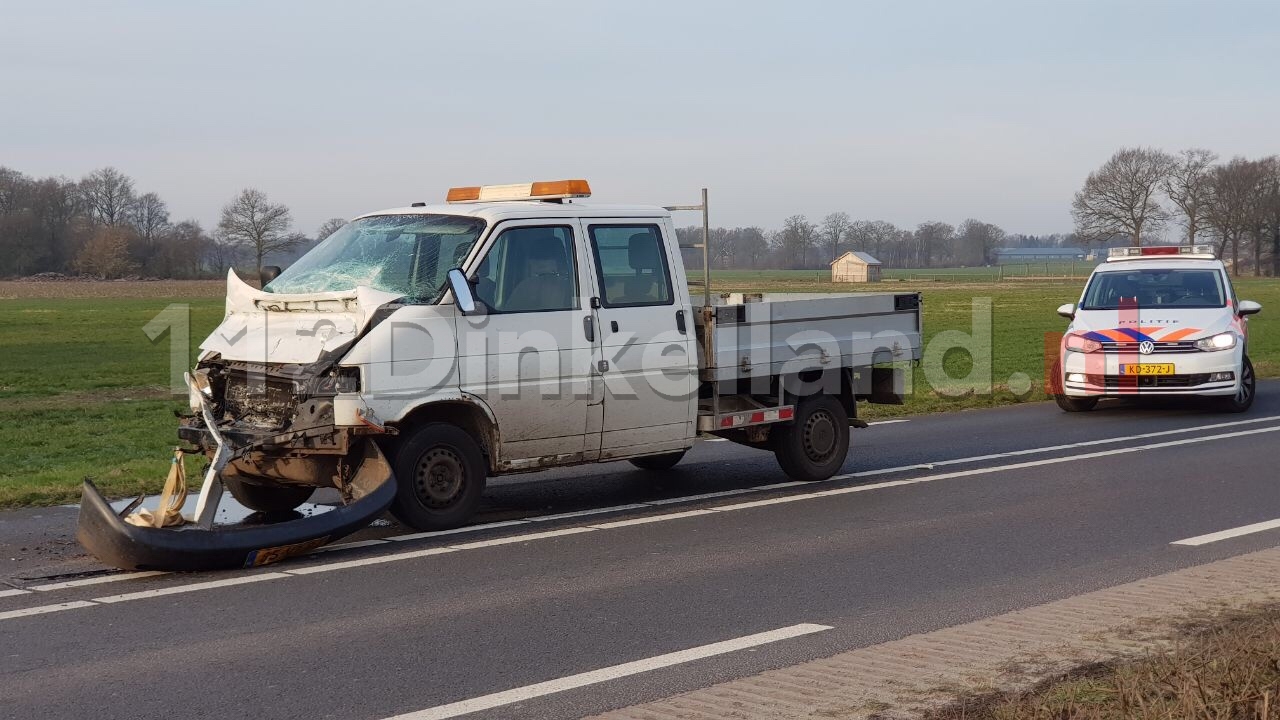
(84,392)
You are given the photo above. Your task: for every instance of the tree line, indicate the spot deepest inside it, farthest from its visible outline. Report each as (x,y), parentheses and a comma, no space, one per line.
(102,226)
(1234,205)
(804,245)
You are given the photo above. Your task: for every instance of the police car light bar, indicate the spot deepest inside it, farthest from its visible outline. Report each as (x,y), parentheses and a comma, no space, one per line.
(553,190)
(1190,252)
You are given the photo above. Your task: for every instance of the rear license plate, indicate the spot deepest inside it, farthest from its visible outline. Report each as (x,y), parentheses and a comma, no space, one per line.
(1146,369)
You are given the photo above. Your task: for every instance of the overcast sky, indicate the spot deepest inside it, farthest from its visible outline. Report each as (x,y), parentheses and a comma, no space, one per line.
(903,111)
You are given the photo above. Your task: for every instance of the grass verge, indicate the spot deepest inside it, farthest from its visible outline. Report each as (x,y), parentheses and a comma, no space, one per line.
(84,391)
(1226,668)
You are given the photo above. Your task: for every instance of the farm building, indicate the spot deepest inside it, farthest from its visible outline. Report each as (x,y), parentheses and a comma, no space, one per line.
(855,267)
(1005,256)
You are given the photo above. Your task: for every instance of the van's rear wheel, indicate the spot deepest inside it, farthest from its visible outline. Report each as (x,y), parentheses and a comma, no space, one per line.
(440,476)
(815,445)
(267,498)
(658,463)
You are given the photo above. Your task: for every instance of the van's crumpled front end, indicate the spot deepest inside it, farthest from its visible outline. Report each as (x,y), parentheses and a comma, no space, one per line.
(263,397)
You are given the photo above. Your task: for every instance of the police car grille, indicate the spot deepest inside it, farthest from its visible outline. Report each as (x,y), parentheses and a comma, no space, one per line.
(1161,347)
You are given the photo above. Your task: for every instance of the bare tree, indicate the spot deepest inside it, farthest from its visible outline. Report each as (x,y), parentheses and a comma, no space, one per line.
(834,229)
(1187,186)
(109,195)
(1232,210)
(253,222)
(753,246)
(932,241)
(106,254)
(978,240)
(1270,209)
(795,240)
(150,217)
(1119,198)
(329,227)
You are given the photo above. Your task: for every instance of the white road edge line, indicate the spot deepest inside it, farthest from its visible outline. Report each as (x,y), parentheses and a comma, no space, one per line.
(117,577)
(193,587)
(379,559)
(42,609)
(594,677)
(1052,448)
(1227,534)
(888,422)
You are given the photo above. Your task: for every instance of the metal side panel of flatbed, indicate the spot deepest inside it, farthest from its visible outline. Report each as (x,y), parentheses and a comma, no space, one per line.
(777,333)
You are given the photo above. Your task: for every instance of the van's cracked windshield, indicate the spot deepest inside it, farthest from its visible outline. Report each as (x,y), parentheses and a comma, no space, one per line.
(405,254)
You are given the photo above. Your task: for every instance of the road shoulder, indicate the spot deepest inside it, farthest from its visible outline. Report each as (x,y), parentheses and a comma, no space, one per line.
(905,677)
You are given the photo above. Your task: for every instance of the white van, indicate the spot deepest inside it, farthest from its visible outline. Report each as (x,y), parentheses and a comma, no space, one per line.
(1160,320)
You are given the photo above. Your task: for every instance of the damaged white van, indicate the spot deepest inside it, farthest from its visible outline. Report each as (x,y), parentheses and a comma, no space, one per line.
(420,350)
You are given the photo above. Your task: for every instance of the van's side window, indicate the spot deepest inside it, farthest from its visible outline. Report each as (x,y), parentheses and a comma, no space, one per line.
(529,269)
(631,265)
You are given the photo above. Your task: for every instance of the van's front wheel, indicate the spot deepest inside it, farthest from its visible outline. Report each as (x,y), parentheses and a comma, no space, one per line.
(815,445)
(440,476)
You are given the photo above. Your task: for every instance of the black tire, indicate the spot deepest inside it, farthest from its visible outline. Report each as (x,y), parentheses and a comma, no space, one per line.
(1075,404)
(815,445)
(1243,399)
(658,463)
(440,476)
(267,498)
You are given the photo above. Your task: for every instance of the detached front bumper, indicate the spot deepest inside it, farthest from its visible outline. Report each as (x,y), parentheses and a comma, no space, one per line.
(113,541)
(1199,373)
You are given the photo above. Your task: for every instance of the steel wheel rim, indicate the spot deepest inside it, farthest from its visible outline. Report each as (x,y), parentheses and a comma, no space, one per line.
(819,436)
(439,478)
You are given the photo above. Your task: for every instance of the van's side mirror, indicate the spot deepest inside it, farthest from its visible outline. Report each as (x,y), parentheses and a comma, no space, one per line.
(268,273)
(461,291)
(1248,307)
(1067,311)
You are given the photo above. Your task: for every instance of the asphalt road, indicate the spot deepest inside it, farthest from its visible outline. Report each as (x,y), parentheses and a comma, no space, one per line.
(1020,506)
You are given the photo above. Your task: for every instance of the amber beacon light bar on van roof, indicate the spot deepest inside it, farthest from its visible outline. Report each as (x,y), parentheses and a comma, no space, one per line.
(548,190)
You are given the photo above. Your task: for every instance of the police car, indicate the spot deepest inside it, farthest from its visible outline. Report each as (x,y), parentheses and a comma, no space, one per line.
(1156,321)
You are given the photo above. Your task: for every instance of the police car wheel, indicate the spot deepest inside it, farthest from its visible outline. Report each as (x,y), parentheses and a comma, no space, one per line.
(1075,404)
(1243,399)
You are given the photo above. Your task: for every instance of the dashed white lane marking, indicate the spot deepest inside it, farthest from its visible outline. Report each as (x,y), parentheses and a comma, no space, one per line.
(1227,534)
(594,677)
(42,609)
(13,592)
(379,559)
(101,579)
(888,422)
(192,587)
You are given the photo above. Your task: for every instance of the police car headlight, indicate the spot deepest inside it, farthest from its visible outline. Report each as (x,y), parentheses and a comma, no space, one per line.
(1080,343)
(1221,341)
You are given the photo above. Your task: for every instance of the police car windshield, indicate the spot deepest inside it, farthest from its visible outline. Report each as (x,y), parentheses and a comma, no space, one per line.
(405,254)
(1111,290)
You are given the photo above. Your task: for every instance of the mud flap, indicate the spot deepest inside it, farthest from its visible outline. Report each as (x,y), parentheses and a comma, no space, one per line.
(113,541)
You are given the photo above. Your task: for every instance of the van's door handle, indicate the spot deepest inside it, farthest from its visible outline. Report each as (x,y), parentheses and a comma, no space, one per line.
(589,328)
(680,322)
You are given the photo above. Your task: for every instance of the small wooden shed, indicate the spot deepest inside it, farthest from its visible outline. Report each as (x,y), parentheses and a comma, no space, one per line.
(855,267)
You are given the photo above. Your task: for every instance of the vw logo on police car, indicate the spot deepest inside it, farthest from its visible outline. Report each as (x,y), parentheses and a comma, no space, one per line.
(1146,347)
